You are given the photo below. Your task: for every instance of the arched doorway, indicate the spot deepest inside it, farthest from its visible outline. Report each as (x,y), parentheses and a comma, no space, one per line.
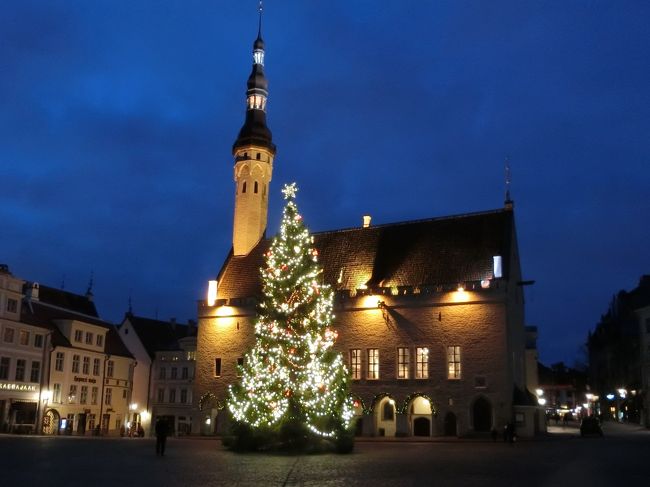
(420,416)
(450,424)
(51,420)
(482,414)
(385,417)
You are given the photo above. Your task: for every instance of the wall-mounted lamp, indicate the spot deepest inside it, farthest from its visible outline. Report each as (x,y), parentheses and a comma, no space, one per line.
(212,293)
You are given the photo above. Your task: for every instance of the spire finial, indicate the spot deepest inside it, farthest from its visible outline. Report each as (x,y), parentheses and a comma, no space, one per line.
(89,291)
(508,201)
(260,8)
(130,305)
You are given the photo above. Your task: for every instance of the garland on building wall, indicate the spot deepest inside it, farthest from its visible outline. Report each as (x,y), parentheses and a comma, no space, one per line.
(208,399)
(293,375)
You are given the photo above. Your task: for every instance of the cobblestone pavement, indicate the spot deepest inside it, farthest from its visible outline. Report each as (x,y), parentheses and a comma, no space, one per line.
(559,459)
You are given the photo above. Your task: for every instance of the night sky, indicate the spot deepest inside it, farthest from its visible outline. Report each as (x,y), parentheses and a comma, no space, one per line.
(117,120)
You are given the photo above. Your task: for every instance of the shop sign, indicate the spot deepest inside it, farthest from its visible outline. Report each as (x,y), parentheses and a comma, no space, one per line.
(76,378)
(14,386)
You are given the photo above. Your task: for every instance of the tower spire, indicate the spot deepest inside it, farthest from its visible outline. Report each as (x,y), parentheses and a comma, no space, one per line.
(508,202)
(254,151)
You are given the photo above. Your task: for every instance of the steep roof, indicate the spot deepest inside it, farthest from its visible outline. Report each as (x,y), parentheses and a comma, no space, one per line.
(63,299)
(158,335)
(44,314)
(437,251)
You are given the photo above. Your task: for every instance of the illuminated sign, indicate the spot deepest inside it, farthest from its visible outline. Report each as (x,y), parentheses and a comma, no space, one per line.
(13,386)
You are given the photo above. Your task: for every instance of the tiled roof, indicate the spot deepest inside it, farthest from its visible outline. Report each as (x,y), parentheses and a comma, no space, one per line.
(437,251)
(38,313)
(67,300)
(158,335)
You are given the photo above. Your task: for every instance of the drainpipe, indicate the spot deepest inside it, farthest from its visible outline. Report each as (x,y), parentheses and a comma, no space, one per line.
(101,403)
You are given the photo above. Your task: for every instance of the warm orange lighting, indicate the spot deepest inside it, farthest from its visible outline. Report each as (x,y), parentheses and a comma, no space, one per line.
(212,293)
(371,302)
(460,288)
(225,311)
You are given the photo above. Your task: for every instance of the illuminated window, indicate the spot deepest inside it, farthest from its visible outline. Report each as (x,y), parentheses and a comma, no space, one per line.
(56,393)
(217,367)
(4,368)
(72,394)
(373,363)
(85,368)
(75,364)
(110,368)
(402,363)
(422,363)
(498,266)
(355,363)
(58,363)
(35,374)
(453,362)
(23,337)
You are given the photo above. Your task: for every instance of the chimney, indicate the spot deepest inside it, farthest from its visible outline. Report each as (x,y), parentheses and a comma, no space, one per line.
(32,292)
(366,221)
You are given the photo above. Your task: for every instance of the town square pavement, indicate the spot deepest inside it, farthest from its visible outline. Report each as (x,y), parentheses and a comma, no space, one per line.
(561,458)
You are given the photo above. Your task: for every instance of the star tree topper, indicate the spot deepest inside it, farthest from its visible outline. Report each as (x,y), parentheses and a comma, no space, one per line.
(289,191)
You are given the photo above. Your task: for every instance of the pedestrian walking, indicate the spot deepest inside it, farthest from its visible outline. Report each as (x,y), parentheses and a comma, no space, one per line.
(162,430)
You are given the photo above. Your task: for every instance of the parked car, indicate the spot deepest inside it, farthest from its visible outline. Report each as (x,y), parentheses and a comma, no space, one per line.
(590,426)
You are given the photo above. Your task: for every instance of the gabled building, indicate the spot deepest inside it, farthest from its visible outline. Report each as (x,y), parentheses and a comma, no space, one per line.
(88,370)
(164,373)
(429,313)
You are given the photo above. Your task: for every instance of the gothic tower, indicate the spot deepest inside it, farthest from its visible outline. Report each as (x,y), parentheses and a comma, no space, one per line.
(254,152)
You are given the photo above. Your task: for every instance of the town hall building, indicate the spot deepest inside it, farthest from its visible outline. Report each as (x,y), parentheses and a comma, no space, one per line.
(429,313)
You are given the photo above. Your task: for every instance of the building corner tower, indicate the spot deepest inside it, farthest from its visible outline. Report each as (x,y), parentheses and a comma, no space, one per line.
(253,152)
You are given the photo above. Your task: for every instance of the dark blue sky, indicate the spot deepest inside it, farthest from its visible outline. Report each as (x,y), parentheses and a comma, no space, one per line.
(117,120)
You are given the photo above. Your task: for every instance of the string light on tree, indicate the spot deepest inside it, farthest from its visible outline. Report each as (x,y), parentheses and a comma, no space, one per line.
(293,375)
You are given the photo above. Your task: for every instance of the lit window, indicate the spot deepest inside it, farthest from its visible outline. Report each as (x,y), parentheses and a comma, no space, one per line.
(355,363)
(72,395)
(402,363)
(498,269)
(23,337)
(373,363)
(422,363)
(453,362)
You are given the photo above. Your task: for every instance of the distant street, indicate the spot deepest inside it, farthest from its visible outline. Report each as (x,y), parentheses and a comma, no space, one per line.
(563,458)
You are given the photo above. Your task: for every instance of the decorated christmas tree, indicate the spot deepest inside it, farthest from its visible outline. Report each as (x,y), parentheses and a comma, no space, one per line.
(294,386)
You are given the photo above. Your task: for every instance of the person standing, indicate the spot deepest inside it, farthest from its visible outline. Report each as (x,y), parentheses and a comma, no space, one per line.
(162,430)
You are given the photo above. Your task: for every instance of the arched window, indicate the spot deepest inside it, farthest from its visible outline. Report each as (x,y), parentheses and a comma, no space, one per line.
(255,188)
(243,188)
(388,411)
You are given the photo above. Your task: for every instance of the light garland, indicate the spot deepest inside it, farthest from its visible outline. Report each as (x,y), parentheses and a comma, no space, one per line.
(293,373)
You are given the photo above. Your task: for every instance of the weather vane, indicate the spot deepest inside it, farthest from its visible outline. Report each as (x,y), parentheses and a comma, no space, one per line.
(508,178)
